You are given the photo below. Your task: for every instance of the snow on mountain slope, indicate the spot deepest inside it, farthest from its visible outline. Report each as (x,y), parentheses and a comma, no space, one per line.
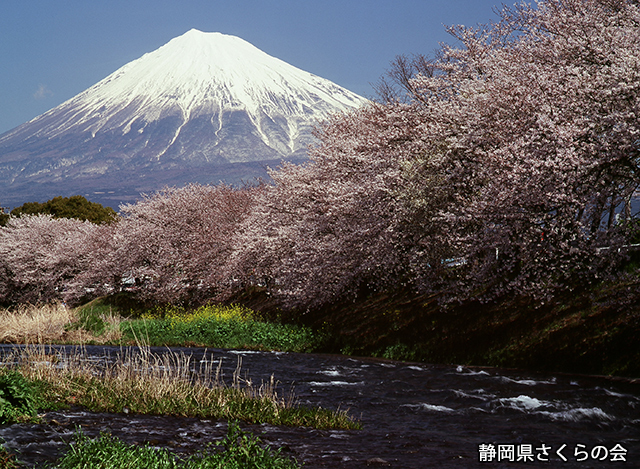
(201,99)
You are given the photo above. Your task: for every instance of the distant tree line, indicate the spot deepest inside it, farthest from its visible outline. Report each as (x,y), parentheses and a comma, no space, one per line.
(67,207)
(502,165)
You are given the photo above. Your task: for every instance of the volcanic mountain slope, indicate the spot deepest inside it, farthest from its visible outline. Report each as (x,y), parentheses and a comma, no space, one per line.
(198,104)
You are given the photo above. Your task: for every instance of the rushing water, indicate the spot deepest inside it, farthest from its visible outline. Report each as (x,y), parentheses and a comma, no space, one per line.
(414,416)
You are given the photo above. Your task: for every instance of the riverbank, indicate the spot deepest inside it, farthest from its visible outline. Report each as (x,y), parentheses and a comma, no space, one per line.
(238,449)
(595,331)
(37,377)
(118,320)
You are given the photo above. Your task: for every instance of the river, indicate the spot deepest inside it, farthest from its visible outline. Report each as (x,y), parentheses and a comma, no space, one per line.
(414,415)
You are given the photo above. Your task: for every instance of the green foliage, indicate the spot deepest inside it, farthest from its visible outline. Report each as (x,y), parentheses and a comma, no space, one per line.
(238,450)
(210,325)
(69,207)
(221,327)
(17,399)
(399,352)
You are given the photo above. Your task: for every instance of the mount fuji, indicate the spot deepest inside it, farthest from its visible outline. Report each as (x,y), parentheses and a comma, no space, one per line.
(202,108)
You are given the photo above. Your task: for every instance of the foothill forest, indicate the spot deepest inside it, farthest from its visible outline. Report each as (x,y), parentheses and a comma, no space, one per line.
(482,211)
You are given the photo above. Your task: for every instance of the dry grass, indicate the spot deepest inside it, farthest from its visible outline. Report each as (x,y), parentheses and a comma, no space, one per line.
(46,324)
(34,324)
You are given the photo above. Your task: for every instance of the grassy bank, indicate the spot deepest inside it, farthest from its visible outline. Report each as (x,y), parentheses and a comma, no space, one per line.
(118,321)
(218,326)
(592,331)
(48,323)
(146,383)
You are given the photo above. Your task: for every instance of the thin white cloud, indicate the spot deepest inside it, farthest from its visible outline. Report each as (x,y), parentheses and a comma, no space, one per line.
(42,92)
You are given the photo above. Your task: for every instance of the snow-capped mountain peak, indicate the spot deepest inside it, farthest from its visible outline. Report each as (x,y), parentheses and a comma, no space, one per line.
(201,99)
(203,74)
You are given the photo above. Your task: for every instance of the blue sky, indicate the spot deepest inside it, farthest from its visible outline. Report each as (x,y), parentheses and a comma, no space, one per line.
(52,50)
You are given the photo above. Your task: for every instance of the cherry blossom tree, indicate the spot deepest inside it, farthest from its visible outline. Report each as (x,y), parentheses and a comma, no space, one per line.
(40,254)
(337,226)
(507,165)
(539,117)
(173,244)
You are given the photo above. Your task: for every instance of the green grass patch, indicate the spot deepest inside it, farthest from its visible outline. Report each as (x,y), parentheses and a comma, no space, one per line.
(217,326)
(238,450)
